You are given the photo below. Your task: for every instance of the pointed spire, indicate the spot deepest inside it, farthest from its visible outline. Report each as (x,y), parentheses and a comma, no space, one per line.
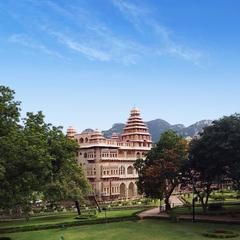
(136,130)
(71,132)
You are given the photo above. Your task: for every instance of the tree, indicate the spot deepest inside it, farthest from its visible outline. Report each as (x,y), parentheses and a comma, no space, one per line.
(161,171)
(9,111)
(36,158)
(9,118)
(233,169)
(214,156)
(9,139)
(67,180)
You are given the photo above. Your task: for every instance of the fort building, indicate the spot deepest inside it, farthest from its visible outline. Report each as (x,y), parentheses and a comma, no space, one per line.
(108,162)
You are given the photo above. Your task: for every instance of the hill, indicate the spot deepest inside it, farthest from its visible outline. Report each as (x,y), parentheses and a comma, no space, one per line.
(158,126)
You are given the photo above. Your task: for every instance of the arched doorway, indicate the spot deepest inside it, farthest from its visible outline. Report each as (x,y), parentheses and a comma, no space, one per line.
(130,170)
(131,190)
(122,190)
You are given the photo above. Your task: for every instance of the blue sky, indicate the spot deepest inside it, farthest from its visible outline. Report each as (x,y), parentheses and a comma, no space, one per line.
(86,63)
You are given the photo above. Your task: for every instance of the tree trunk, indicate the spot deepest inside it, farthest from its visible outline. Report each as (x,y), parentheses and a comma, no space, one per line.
(204,203)
(204,207)
(78,207)
(167,203)
(26,216)
(160,206)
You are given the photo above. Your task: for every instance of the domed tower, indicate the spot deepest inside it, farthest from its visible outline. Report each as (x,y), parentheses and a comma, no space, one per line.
(71,132)
(115,136)
(96,136)
(136,130)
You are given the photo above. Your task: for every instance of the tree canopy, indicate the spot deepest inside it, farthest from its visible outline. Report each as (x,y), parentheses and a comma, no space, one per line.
(161,171)
(215,156)
(36,158)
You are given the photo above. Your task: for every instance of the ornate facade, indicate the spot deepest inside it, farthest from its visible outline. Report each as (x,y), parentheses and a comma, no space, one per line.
(108,162)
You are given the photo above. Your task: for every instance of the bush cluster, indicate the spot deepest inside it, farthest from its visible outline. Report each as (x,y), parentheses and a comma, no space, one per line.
(67,224)
(215,206)
(220,234)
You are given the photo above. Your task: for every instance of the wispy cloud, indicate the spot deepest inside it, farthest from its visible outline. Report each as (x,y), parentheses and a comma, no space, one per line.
(83,48)
(132,12)
(27,41)
(143,20)
(85,33)
(100,45)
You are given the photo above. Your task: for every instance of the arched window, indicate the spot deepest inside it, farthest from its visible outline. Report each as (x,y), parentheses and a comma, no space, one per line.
(130,170)
(122,170)
(81,140)
(138,154)
(131,190)
(122,190)
(86,139)
(85,155)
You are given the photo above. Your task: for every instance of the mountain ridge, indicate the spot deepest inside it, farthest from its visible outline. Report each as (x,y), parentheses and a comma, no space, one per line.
(158,126)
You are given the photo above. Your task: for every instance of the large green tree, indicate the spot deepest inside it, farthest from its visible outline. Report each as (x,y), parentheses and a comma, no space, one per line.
(215,156)
(9,118)
(161,171)
(36,158)
(66,179)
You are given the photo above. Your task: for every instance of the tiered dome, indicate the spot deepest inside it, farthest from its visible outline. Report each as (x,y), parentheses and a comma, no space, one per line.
(96,135)
(136,130)
(114,136)
(71,132)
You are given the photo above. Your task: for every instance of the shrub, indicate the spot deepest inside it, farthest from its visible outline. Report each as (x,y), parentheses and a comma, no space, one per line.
(173,216)
(215,206)
(82,216)
(220,234)
(66,224)
(218,197)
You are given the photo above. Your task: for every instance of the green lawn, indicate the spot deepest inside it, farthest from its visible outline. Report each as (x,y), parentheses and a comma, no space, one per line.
(228,195)
(63,218)
(138,230)
(227,208)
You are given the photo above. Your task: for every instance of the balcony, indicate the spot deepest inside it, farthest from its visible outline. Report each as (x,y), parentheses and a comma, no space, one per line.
(110,176)
(104,194)
(91,176)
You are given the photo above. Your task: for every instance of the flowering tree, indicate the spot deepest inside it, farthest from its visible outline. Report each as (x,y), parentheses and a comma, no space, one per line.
(161,171)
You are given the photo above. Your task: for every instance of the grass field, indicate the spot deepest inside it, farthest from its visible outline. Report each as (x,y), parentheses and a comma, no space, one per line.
(138,230)
(227,208)
(63,218)
(224,196)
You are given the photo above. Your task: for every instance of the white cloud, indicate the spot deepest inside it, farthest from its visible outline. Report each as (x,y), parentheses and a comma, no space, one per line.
(132,12)
(27,41)
(144,21)
(103,47)
(82,32)
(83,48)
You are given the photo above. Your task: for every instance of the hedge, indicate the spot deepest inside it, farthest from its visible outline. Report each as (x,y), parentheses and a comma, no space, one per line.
(220,234)
(67,224)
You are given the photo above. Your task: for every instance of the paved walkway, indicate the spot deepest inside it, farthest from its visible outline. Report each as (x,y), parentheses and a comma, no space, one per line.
(174,201)
(155,213)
